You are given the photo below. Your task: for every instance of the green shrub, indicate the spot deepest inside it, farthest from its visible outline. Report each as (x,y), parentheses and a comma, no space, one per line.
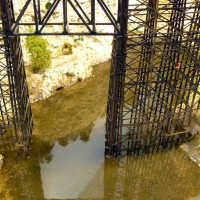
(67,48)
(80,38)
(48,5)
(40,55)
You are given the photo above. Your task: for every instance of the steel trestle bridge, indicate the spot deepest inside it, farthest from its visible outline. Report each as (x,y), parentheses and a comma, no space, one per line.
(154,76)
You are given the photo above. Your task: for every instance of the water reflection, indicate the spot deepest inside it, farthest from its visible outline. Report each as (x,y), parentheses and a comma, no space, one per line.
(165,175)
(78,171)
(72,167)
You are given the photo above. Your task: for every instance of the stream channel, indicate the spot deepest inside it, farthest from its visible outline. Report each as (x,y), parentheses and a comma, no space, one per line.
(67,156)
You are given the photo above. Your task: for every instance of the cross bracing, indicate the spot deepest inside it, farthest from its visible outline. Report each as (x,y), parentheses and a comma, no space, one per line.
(158,86)
(63,17)
(15,111)
(154,77)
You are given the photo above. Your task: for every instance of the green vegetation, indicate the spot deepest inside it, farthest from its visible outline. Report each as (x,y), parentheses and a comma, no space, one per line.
(67,48)
(80,38)
(48,5)
(40,55)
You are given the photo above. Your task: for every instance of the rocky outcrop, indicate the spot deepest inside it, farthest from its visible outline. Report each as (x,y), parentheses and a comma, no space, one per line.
(66,69)
(194,126)
(192,149)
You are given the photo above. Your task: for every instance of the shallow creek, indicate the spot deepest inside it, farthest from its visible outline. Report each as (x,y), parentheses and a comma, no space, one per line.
(67,156)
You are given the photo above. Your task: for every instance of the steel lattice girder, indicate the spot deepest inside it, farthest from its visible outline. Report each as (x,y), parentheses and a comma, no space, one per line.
(16,117)
(160,80)
(15,112)
(154,78)
(64,16)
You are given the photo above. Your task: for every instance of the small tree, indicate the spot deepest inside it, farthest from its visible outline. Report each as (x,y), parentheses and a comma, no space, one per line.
(40,55)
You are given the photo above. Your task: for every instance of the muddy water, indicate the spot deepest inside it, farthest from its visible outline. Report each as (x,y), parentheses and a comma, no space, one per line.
(67,156)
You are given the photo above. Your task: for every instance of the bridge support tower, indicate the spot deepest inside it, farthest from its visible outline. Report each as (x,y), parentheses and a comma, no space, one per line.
(154,78)
(15,112)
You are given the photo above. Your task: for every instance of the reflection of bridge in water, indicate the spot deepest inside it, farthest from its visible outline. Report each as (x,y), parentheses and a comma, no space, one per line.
(79,170)
(154,75)
(166,175)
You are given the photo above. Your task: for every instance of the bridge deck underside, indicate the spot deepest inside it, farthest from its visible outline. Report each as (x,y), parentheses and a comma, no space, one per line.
(158,86)
(66,17)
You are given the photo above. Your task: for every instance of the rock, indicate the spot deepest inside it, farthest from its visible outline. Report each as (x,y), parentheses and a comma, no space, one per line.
(192,149)
(1,161)
(196,198)
(66,69)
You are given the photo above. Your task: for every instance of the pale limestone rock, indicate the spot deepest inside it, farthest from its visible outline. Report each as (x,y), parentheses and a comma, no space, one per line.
(1,161)
(192,149)
(196,198)
(67,69)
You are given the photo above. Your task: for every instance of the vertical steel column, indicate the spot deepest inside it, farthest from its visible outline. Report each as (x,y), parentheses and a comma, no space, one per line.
(116,85)
(19,119)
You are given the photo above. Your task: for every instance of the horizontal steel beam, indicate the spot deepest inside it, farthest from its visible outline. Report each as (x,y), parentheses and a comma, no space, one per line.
(66,17)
